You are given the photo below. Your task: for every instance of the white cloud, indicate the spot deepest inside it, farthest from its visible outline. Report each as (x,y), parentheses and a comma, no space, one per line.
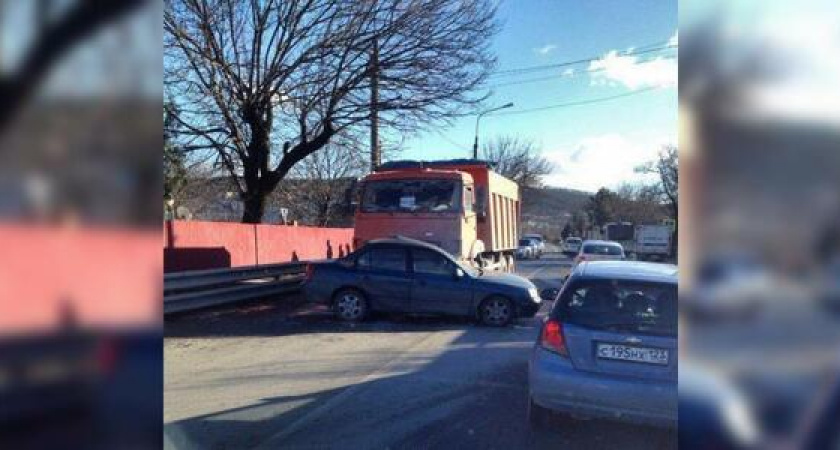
(568,72)
(601,161)
(627,70)
(545,49)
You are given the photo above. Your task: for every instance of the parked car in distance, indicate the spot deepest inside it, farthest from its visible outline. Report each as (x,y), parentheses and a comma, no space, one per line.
(402,275)
(528,249)
(571,246)
(608,347)
(593,250)
(540,240)
(525,249)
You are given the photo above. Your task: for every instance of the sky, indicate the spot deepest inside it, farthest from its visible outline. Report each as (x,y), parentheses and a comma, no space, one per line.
(591,145)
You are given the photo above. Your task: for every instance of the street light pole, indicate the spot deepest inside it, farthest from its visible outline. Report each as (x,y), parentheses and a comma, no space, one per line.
(478,118)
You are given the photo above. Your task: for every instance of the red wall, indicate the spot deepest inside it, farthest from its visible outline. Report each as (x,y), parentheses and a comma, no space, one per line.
(190,245)
(94,277)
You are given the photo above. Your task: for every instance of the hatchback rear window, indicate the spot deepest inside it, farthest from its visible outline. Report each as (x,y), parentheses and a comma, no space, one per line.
(601,249)
(620,306)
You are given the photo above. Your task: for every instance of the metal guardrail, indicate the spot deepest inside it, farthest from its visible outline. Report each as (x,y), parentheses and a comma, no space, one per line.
(185,291)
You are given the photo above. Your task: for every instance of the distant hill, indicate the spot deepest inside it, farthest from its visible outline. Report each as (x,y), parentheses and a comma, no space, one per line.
(546,210)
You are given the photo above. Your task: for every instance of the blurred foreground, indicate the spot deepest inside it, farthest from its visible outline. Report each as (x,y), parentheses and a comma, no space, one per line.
(80,181)
(760,225)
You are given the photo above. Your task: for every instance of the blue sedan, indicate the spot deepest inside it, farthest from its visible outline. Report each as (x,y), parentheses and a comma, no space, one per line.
(608,348)
(408,276)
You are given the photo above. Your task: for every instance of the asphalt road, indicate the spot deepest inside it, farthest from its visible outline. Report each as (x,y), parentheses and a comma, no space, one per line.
(286,375)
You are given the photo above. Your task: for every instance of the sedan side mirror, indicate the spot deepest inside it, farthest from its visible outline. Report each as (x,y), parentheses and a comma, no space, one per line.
(549,294)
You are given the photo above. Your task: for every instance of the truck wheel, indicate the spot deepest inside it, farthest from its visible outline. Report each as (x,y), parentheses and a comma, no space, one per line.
(350,305)
(496,311)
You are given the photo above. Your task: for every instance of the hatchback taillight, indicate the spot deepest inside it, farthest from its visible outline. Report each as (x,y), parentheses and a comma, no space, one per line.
(552,338)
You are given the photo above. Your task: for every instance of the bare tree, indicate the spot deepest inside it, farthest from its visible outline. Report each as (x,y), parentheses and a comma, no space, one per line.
(666,168)
(264,84)
(639,203)
(517,158)
(316,189)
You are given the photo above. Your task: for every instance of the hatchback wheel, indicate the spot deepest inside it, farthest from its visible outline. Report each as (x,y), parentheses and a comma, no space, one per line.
(496,312)
(350,305)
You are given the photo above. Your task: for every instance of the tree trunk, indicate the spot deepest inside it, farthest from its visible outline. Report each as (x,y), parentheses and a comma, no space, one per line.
(254,207)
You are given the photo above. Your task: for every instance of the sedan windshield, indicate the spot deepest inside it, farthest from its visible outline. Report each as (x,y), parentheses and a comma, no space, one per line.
(411,196)
(621,306)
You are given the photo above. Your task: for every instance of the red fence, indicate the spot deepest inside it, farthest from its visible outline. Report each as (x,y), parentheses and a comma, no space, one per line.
(91,277)
(191,245)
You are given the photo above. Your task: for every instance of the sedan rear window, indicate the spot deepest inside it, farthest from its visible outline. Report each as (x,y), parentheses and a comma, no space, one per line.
(620,306)
(602,249)
(389,259)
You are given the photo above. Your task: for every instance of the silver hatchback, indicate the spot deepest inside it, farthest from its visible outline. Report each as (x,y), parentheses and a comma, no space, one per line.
(608,348)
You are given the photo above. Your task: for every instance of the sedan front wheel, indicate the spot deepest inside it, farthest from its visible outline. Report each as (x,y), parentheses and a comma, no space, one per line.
(350,305)
(496,311)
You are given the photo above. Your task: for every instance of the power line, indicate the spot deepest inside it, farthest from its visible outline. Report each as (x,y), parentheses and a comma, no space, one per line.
(539,68)
(447,139)
(562,77)
(577,103)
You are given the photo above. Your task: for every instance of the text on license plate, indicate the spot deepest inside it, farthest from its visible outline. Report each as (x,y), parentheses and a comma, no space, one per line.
(637,354)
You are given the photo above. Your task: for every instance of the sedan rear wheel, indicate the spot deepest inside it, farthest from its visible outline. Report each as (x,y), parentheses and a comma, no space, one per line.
(496,312)
(350,305)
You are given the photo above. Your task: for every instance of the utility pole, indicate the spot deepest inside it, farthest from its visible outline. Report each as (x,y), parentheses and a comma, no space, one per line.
(375,151)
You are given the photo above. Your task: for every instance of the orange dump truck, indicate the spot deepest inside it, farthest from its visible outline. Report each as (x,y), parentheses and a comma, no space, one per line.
(461,206)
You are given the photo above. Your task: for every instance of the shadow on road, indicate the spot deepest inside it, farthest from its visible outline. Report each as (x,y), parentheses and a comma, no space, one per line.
(293,315)
(470,394)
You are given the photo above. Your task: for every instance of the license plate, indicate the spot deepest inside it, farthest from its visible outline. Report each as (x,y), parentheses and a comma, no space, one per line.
(636,354)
